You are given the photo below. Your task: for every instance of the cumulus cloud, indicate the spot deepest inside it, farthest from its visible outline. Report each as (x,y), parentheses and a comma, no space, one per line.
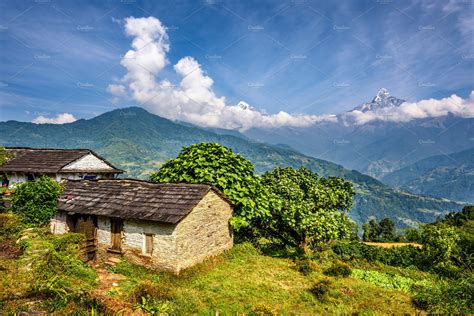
(192,99)
(408,111)
(59,119)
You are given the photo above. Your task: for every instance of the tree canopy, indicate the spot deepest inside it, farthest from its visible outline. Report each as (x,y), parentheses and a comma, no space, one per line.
(308,209)
(36,201)
(231,173)
(4,155)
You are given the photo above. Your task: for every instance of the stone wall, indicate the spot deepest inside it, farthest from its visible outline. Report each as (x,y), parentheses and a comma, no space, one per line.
(205,231)
(103,231)
(58,224)
(164,255)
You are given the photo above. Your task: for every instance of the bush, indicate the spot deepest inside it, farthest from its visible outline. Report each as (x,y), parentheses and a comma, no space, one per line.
(398,256)
(455,298)
(150,291)
(36,201)
(263,310)
(321,287)
(339,268)
(306,266)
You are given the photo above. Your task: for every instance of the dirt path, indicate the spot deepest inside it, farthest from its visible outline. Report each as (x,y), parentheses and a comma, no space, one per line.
(108,293)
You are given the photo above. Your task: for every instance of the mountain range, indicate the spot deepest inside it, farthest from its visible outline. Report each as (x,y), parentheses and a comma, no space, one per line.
(379,148)
(140,142)
(451,176)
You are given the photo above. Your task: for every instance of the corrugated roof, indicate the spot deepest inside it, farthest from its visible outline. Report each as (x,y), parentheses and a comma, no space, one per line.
(132,199)
(42,160)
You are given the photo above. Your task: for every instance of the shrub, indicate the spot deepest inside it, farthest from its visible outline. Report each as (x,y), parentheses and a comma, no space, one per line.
(455,298)
(151,291)
(321,287)
(400,256)
(36,201)
(339,268)
(306,266)
(263,310)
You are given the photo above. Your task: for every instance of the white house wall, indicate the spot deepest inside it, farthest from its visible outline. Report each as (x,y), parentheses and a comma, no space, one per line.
(88,162)
(58,224)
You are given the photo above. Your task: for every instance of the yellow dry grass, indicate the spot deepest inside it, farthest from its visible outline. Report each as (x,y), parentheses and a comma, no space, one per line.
(393,244)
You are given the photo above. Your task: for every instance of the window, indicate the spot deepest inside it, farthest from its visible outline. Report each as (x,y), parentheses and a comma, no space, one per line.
(148,249)
(30,177)
(89,177)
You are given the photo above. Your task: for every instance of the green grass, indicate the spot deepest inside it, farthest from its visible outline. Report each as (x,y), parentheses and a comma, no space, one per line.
(243,280)
(49,276)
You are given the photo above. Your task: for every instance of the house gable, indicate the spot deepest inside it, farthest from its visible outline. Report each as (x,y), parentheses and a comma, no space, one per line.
(88,162)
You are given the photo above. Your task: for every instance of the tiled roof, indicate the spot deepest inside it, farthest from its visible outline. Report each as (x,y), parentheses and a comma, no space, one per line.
(38,160)
(132,199)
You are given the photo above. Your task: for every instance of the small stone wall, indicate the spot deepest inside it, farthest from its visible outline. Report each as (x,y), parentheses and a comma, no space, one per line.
(205,232)
(58,224)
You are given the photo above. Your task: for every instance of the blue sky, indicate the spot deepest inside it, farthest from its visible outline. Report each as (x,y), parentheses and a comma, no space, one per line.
(298,56)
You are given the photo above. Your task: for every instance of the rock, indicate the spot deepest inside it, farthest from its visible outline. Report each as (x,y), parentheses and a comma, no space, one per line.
(114,260)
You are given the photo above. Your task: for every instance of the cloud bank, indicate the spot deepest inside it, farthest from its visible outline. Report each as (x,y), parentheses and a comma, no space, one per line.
(192,99)
(59,119)
(408,111)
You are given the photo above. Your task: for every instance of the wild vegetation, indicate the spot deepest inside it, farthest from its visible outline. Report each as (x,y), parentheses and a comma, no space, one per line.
(296,252)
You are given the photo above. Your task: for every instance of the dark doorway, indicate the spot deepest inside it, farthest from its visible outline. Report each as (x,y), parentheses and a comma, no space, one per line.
(86,225)
(116,226)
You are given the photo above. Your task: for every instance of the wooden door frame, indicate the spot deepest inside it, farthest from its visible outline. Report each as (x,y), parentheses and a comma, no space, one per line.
(116,233)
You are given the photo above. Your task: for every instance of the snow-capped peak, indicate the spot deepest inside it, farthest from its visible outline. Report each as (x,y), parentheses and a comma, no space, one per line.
(382,94)
(381,100)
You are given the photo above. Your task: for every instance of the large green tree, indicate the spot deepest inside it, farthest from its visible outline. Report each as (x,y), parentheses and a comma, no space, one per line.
(229,172)
(309,209)
(35,201)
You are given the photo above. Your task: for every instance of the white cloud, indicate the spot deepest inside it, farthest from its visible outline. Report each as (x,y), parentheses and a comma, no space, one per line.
(59,119)
(418,110)
(193,98)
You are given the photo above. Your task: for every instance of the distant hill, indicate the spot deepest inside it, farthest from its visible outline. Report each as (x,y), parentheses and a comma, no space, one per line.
(448,176)
(376,148)
(140,142)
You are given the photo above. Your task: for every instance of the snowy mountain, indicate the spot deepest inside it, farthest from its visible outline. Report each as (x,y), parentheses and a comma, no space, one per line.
(380,101)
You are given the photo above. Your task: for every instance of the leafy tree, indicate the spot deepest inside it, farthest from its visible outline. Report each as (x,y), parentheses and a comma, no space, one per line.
(229,172)
(36,201)
(387,230)
(309,210)
(412,235)
(371,231)
(4,155)
(440,242)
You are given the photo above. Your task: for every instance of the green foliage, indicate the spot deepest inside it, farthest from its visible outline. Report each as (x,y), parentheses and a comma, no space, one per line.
(383,231)
(219,166)
(309,210)
(306,266)
(338,268)
(153,306)
(398,256)
(263,310)
(386,280)
(447,297)
(440,243)
(4,155)
(387,230)
(321,287)
(36,201)
(371,231)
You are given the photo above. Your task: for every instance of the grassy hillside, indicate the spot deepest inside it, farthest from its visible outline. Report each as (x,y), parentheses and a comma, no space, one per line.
(140,142)
(448,176)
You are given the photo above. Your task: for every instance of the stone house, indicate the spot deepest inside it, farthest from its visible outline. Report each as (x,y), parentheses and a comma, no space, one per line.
(168,226)
(27,164)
